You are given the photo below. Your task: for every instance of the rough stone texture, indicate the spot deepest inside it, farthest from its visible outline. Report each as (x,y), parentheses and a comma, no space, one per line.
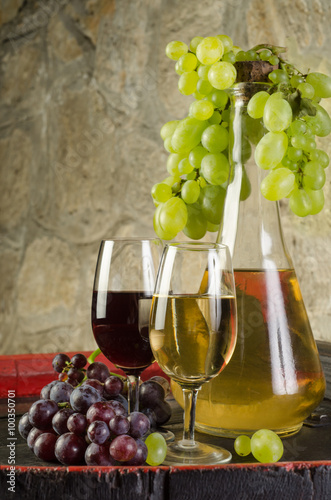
(84,89)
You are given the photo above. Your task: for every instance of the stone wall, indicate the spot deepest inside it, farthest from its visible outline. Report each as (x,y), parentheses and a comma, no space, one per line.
(84,89)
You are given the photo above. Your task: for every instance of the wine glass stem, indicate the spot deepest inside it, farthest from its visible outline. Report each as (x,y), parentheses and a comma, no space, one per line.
(190,400)
(133,392)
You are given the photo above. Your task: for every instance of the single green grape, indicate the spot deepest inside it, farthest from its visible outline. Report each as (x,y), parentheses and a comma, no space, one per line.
(215,118)
(215,138)
(204,87)
(196,156)
(168,129)
(222,75)
(271,150)
(188,134)
(322,120)
(226,42)
(242,445)
(313,175)
(306,90)
(265,54)
(229,57)
(187,83)
(203,70)
(190,192)
(174,50)
(196,225)
(212,201)
(201,110)
(185,167)
(296,80)
(300,203)
(209,50)
(195,42)
(256,104)
(187,62)
(157,449)
(168,145)
(173,162)
(321,84)
(215,168)
(164,235)
(298,127)
(317,200)
(219,98)
(278,184)
(161,192)
(277,114)
(278,76)
(173,215)
(273,60)
(266,446)
(320,156)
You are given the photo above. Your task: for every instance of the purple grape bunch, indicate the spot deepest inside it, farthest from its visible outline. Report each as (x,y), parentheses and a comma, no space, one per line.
(82,418)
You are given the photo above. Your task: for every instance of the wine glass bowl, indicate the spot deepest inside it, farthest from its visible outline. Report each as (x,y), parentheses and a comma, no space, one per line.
(193,330)
(122,294)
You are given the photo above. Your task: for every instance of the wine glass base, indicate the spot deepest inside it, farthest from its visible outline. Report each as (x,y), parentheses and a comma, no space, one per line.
(183,453)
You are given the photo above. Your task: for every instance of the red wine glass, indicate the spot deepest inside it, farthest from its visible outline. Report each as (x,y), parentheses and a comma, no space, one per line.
(122,295)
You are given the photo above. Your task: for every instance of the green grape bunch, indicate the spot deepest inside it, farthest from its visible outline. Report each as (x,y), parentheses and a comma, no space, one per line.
(191,198)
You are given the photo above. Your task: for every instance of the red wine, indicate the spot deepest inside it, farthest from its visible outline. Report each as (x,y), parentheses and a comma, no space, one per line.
(120,323)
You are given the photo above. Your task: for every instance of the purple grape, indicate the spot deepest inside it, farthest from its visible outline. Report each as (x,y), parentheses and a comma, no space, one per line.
(61,392)
(118,407)
(162,381)
(83,397)
(139,424)
(41,413)
(123,448)
(44,447)
(100,411)
(162,412)
(59,421)
(79,361)
(46,390)
(98,432)
(75,376)
(24,425)
(60,362)
(120,399)
(77,423)
(98,454)
(113,385)
(70,449)
(98,370)
(32,436)
(150,393)
(119,425)
(93,382)
(141,454)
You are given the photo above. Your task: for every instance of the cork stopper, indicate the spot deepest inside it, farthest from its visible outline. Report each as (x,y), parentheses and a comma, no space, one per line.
(253,71)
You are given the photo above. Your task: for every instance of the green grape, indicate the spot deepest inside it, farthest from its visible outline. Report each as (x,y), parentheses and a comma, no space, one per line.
(241,56)
(317,200)
(322,120)
(253,129)
(157,449)
(196,225)
(236,49)
(314,175)
(168,129)
(278,76)
(202,182)
(273,60)
(277,115)
(278,184)
(188,62)
(191,176)
(229,57)
(299,141)
(222,75)
(173,215)
(271,149)
(201,110)
(265,54)
(185,167)
(252,55)
(187,83)
(215,118)
(188,134)
(198,96)
(203,71)
(196,156)
(296,80)
(190,192)
(204,87)
(256,104)
(157,228)
(306,90)
(168,145)
(209,50)
(195,42)
(246,187)
(219,98)
(173,163)
(212,228)
(212,202)
(300,203)
(294,154)
(171,180)
(298,127)
(321,84)
(320,156)
(266,446)
(215,138)
(242,445)
(175,49)
(226,42)
(215,168)
(178,70)
(161,192)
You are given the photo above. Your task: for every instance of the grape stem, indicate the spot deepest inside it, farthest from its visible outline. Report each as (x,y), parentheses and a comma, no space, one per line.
(93,355)
(274,48)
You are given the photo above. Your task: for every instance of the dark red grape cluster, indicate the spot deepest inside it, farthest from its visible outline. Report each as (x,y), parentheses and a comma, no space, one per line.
(84,420)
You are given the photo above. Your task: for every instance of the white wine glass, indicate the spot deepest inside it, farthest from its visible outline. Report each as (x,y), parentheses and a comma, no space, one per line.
(193,331)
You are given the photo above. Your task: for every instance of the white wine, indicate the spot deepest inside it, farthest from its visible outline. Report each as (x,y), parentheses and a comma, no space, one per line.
(192,336)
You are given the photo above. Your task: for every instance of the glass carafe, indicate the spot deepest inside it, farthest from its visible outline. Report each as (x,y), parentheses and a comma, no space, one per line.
(274,379)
